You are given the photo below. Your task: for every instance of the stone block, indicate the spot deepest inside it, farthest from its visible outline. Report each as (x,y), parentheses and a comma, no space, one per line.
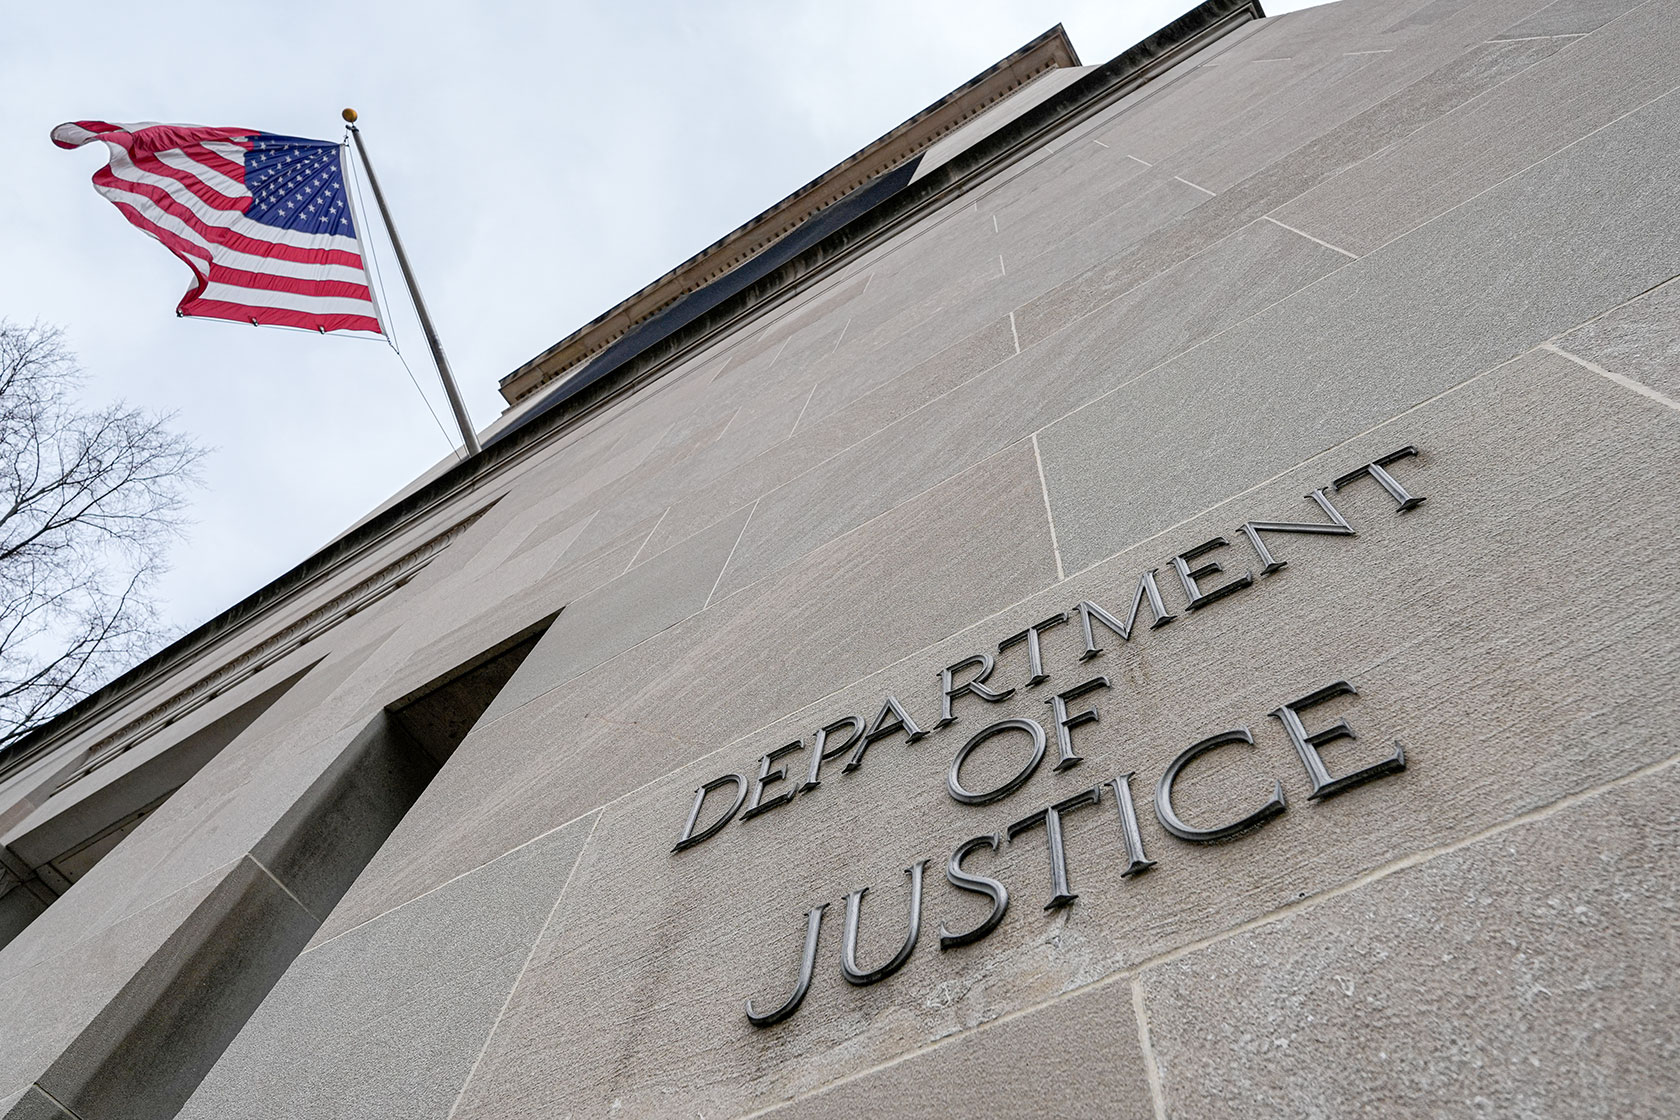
(140,776)
(948,243)
(853,602)
(227,808)
(464,620)
(610,524)
(1425,15)
(660,591)
(1639,339)
(931,291)
(1213,292)
(1526,974)
(766,416)
(1085,231)
(174,848)
(1371,23)
(385,1018)
(1079,1057)
(1568,239)
(466,614)
(1250,271)
(606,450)
(1329,26)
(875,388)
(1568,17)
(537,778)
(841,410)
(554,535)
(1069,171)
(1439,90)
(1182,113)
(1580,89)
(32,1105)
(1316,100)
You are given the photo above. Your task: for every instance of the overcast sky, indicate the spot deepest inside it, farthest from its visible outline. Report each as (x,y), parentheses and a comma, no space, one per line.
(544,160)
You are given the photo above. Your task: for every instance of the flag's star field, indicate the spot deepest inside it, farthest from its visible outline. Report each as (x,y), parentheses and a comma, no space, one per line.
(297,184)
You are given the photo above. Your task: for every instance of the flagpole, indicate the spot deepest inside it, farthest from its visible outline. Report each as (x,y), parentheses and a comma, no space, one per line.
(454,394)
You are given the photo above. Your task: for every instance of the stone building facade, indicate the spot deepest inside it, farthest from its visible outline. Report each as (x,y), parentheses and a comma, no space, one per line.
(1149,591)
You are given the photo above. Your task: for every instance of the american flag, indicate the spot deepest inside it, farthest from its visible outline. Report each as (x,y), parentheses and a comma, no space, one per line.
(262,220)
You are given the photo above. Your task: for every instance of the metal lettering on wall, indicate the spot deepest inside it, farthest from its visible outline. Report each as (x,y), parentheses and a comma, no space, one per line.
(1203,582)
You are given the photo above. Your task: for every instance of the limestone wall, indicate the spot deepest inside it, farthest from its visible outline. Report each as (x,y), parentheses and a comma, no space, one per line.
(1329,238)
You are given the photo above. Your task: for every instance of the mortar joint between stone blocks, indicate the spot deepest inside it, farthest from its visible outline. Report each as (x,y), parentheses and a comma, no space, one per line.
(523,968)
(287,890)
(1151,1069)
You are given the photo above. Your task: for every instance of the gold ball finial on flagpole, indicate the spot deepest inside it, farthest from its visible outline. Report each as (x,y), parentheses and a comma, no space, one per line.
(349,116)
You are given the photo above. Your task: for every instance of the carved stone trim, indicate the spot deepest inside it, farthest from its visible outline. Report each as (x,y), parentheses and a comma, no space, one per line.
(317,622)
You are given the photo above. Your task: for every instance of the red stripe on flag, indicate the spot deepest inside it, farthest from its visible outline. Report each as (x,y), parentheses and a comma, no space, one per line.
(279,317)
(271,282)
(294,253)
(163,137)
(215,161)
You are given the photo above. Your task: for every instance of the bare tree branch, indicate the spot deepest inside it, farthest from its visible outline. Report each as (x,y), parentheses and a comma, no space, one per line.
(89,501)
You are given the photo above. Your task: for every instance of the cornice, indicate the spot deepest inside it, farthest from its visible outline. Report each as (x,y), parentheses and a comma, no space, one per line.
(1048,51)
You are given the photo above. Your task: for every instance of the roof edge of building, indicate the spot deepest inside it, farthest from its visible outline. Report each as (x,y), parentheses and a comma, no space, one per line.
(1047,51)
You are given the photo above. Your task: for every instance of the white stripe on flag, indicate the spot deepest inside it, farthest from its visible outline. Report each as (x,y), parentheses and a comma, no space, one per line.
(299,270)
(232,150)
(258,231)
(289,301)
(209,176)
